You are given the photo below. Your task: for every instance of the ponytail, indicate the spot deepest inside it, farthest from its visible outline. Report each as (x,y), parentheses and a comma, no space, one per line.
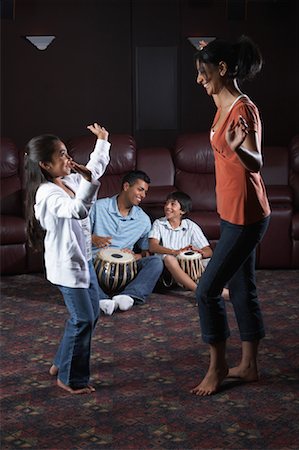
(249,59)
(243,58)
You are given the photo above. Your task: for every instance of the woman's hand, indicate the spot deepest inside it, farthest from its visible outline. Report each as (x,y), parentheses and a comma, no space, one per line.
(100,132)
(235,135)
(245,144)
(82,170)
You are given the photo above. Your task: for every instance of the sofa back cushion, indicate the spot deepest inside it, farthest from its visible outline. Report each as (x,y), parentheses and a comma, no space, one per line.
(195,170)
(122,159)
(157,163)
(11,191)
(275,170)
(294,169)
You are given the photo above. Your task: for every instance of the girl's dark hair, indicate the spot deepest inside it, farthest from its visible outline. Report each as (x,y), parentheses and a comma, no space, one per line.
(39,149)
(243,58)
(183,199)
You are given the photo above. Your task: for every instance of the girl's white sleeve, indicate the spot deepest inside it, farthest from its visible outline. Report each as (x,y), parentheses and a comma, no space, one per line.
(99,158)
(59,204)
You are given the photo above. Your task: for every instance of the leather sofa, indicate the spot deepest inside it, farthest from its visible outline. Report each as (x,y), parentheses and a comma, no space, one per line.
(189,167)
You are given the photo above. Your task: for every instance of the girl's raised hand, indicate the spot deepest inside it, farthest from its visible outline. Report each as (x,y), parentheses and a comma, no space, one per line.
(100,132)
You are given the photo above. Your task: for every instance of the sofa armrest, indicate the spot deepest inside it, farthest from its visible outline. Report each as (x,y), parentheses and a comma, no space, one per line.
(280,196)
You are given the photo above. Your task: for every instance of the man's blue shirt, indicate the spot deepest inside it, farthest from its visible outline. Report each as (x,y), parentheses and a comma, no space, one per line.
(106,220)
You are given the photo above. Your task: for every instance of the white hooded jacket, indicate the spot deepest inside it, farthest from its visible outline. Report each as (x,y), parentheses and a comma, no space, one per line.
(62,217)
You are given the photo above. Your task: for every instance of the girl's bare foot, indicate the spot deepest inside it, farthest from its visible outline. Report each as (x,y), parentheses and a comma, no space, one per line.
(244,373)
(85,390)
(225,294)
(211,382)
(53,370)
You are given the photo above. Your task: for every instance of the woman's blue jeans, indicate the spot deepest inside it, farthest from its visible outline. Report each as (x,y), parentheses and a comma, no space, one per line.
(232,263)
(73,355)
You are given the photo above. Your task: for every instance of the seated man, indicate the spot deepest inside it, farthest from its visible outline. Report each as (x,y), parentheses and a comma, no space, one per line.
(119,222)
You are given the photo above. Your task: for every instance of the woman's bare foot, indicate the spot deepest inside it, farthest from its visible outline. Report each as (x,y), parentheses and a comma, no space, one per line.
(85,390)
(211,382)
(53,370)
(244,373)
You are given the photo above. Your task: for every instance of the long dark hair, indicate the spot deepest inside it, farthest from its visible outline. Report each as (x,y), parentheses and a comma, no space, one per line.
(39,149)
(243,58)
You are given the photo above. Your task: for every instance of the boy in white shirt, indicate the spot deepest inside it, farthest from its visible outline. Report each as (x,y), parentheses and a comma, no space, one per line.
(174,233)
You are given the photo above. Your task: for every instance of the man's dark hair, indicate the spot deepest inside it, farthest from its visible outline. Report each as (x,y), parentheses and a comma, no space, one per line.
(134,175)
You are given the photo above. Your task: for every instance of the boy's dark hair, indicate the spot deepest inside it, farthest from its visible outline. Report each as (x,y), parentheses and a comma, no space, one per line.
(134,175)
(184,200)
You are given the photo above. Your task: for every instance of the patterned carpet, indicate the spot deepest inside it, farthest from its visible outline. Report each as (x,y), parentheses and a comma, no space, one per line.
(144,362)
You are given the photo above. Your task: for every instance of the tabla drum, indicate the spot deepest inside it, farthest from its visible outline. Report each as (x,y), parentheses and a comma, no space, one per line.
(191,263)
(115,269)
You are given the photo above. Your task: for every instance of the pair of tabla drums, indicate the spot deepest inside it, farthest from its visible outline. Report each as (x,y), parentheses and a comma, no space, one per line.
(116,268)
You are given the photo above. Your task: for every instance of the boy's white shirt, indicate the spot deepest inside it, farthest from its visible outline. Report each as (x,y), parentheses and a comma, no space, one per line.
(65,219)
(188,233)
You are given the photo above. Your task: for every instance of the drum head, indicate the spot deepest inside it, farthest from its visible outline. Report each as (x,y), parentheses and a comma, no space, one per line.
(189,254)
(115,255)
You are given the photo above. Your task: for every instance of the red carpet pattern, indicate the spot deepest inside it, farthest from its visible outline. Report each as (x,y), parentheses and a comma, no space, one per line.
(144,363)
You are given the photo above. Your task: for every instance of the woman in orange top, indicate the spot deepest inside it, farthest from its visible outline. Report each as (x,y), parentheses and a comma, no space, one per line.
(243,208)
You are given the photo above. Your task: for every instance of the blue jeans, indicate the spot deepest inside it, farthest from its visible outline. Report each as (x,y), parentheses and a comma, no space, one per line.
(149,271)
(232,263)
(73,355)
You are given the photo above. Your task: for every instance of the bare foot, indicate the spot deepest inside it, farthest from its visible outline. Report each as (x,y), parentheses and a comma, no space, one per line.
(85,390)
(53,370)
(245,373)
(211,382)
(225,294)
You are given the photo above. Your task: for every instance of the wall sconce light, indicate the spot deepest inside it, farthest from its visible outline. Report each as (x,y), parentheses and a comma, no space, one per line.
(40,42)
(195,41)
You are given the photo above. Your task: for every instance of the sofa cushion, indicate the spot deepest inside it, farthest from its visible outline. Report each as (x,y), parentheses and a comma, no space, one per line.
(294,169)
(10,187)
(195,170)
(157,163)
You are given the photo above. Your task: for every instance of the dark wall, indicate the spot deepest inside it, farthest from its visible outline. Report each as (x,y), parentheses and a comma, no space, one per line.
(128,65)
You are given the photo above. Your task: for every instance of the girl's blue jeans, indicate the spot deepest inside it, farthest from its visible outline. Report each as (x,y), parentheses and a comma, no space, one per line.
(232,263)
(73,355)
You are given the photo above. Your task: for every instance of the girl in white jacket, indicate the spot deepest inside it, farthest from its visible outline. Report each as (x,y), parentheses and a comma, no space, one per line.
(57,208)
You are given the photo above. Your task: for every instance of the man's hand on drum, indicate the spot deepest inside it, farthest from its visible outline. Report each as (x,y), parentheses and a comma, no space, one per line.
(136,255)
(101,241)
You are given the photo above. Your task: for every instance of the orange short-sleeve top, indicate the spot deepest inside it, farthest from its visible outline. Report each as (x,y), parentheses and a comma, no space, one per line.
(241,194)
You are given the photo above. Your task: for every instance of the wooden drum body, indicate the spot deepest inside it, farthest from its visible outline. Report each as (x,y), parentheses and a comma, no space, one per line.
(190,262)
(115,269)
